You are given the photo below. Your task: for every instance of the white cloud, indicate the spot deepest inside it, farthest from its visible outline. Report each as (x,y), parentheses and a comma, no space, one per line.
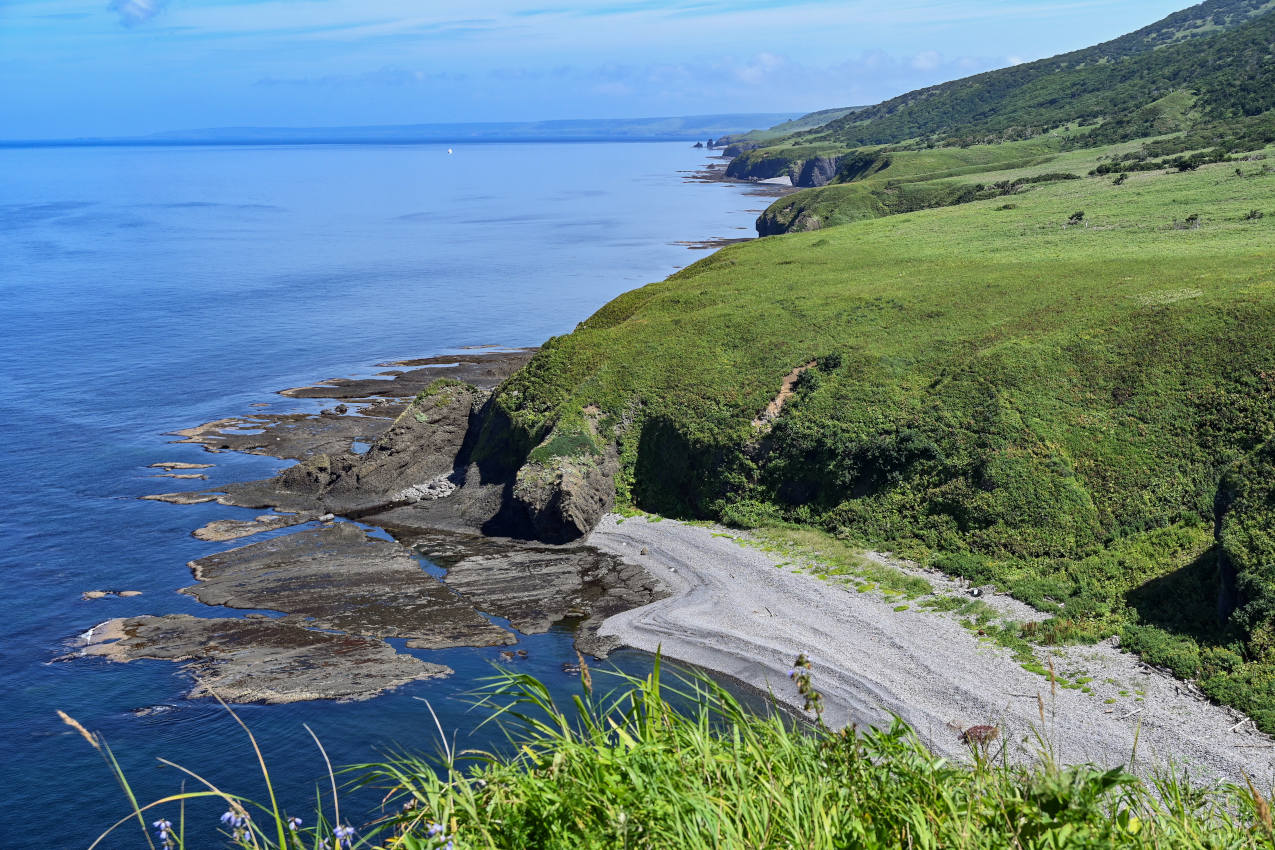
(927,60)
(134,12)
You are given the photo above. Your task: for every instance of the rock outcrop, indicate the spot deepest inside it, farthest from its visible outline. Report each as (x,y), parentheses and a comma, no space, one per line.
(563,498)
(337,577)
(412,460)
(805,172)
(816,172)
(261,660)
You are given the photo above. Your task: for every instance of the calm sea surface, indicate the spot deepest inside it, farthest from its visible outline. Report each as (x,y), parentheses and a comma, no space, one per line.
(144,290)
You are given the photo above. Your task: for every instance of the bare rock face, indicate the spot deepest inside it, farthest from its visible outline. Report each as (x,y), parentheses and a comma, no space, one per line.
(815,172)
(337,577)
(410,461)
(564,498)
(534,586)
(261,660)
(221,530)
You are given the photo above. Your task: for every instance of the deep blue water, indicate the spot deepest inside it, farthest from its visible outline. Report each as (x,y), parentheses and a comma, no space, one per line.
(150,289)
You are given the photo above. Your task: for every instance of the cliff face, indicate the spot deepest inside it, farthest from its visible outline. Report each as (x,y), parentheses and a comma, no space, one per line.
(816,172)
(805,170)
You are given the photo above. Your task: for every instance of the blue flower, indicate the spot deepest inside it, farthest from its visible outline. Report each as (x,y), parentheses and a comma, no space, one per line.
(294,824)
(344,835)
(164,831)
(434,829)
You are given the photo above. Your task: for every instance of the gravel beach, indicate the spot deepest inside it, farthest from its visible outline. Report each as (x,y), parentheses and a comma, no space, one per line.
(748,613)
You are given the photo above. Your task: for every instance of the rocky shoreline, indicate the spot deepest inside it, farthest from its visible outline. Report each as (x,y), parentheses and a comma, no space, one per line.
(385,529)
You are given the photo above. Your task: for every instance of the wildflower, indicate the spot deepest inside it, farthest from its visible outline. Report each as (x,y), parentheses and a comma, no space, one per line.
(164,832)
(434,829)
(294,824)
(344,836)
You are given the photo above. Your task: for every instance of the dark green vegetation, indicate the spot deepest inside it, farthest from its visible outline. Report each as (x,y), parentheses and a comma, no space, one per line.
(647,765)
(628,769)
(1218,52)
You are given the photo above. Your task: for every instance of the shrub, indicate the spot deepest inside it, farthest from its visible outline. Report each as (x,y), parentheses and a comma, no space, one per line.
(975,568)
(807,382)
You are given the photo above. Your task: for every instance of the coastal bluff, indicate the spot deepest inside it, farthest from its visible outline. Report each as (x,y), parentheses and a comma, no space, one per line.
(449,461)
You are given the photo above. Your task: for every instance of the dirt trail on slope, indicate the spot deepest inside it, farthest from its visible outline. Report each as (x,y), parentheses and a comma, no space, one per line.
(776,406)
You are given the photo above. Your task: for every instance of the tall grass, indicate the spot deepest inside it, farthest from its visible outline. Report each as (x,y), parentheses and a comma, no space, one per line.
(647,764)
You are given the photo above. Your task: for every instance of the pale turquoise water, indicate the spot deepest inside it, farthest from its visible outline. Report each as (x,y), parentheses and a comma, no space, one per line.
(145,290)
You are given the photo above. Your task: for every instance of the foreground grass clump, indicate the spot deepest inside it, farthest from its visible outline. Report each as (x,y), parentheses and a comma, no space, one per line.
(647,765)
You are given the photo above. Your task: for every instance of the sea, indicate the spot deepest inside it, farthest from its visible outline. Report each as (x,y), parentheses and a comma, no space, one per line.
(147,289)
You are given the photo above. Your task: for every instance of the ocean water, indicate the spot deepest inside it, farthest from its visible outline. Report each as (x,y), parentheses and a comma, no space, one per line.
(144,290)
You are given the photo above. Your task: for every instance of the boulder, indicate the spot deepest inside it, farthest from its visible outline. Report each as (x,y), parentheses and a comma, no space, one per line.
(564,497)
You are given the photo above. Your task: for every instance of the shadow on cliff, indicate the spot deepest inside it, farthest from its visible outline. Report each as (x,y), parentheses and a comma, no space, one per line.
(1184,602)
(675,474)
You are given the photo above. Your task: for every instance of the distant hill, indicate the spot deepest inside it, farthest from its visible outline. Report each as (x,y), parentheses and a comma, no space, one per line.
(810,121)
(1219,50)
(685,128)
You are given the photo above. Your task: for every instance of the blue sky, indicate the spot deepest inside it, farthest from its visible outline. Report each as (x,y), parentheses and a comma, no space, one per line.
(123,67)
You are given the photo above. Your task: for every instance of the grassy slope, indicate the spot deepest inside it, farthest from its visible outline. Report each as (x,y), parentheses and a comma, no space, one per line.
(811,121)
(1046,405)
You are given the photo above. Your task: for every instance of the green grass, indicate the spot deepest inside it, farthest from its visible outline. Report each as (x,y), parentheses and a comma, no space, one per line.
(830,557)
(908,181)
(644,764)
(1049,407)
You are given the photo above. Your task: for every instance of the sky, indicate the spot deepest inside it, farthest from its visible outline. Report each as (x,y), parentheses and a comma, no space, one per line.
(75,68)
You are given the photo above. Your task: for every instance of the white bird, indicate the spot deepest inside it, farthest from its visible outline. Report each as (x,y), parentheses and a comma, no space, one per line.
(449,151)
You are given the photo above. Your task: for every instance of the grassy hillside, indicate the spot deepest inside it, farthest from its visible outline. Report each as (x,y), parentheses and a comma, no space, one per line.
(810,121)
(1047,391)
(1204,73)
(1219,50)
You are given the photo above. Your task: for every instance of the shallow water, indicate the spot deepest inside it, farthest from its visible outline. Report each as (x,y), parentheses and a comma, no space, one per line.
(145,290)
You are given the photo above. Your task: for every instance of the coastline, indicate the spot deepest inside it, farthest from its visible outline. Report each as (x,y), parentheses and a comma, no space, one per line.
(747,613)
